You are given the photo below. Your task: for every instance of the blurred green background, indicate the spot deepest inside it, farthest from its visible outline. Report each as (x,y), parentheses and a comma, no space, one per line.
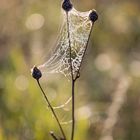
(107,93)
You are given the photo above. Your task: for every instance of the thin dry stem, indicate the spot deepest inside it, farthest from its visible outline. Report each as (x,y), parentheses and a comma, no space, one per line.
(61,129)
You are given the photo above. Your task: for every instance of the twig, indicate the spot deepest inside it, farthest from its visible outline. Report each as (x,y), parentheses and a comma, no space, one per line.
(78,72)
(73,110)
(61,129)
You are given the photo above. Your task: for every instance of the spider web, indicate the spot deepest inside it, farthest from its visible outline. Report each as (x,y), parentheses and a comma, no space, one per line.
(79,31)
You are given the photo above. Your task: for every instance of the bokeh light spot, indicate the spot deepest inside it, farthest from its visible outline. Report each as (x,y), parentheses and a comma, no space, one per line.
(135,68)
(108,137)
(21,83)
(35,21)
(83,113)
(103,62)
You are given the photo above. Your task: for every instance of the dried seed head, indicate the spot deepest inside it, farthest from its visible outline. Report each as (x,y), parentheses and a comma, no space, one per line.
(93,16)
(67,5)
(36,73)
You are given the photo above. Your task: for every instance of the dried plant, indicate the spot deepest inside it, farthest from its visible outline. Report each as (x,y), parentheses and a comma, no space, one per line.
(69,54)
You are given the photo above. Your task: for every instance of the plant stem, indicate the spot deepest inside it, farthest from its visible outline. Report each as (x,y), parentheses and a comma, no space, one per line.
(73,110)
(73,89)
(73,82)
(61,129)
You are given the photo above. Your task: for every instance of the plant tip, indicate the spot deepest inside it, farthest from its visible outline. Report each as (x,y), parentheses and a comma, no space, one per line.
(36,73)
(93,16)
(52,134)
(67,5)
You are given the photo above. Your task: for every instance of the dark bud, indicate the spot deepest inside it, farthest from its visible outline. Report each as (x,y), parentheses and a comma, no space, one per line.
(93,16)
(36,73)
(67,5)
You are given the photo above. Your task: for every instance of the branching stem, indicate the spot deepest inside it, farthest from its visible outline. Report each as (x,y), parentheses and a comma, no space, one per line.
(74,78)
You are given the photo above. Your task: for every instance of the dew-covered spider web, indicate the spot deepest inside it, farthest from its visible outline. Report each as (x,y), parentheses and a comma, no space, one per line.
(75,33)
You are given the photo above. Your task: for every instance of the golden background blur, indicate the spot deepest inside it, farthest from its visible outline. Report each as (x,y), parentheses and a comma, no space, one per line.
(107,93)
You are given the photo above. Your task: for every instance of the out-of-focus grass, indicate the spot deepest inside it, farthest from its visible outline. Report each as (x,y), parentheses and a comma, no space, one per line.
(114,51)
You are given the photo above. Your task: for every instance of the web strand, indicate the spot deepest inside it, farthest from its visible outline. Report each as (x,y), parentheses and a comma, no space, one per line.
(66,123)
(63,105)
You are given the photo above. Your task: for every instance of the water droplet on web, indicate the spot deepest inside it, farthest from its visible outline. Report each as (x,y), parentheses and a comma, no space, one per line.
(79,30)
